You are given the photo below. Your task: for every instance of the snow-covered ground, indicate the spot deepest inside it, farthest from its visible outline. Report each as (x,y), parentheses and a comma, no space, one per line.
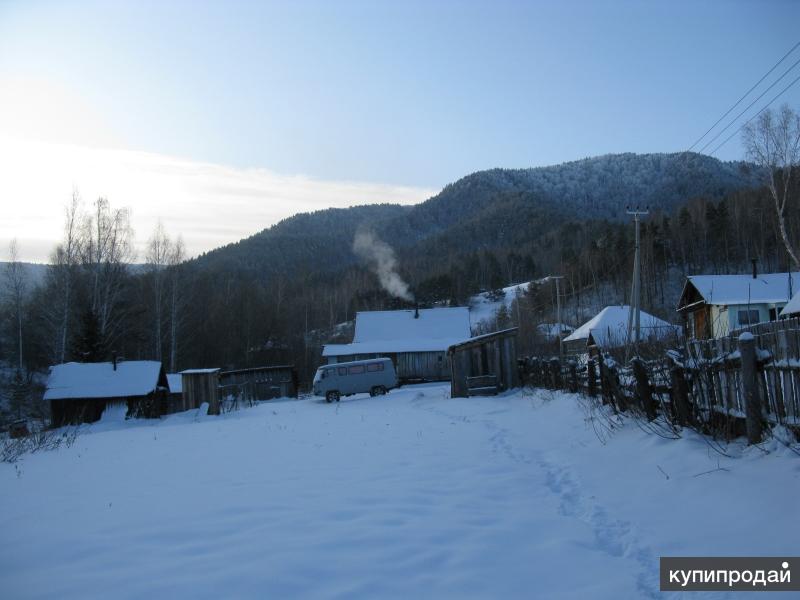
(413,494)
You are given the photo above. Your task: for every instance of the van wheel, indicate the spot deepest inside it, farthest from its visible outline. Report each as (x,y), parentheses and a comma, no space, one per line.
(381,390)
(332,397)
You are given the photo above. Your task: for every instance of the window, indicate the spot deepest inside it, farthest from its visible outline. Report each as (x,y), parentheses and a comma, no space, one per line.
(748,317)
(342,370)
(356,369)
(372,367)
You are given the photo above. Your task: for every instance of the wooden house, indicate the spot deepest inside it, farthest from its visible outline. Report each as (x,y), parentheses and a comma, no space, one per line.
(415,340)
(715,305)
(484,365)
(609,329)
(260,383)
(80,392)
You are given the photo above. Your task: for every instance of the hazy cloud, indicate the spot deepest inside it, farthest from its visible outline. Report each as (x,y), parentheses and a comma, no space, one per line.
(209,205)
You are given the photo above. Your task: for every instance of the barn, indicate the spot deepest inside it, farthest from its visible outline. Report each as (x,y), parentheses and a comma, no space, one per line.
(415,340)
(80,392)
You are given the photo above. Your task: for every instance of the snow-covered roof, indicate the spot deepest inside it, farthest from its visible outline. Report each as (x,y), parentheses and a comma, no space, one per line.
(199,371)
(435,330)
(175,383)
(101,380)
(610,327)
(769,288)
(792,307)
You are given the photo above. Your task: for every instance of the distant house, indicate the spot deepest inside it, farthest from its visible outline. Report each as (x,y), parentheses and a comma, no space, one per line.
(416,341)
(552,331)
(609,329)
(792,308)
(80,392)
(715,305)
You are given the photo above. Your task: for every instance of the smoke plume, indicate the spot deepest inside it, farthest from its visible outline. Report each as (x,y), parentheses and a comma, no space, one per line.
(383,262)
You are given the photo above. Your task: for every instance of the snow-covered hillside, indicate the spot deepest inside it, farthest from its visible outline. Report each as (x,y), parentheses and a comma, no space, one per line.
(483,307)
(412,494)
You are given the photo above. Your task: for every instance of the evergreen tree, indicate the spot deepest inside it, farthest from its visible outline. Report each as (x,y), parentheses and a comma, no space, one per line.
(89,345)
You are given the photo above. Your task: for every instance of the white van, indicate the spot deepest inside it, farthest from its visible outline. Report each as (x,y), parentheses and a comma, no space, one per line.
(376,376)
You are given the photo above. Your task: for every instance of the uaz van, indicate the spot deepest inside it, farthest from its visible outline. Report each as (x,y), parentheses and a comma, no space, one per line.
(376,376)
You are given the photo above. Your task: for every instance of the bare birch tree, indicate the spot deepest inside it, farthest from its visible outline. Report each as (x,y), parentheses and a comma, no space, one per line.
(772,141)
(107,249)
(159,251)
(61,278)
(15,289)
(176,299)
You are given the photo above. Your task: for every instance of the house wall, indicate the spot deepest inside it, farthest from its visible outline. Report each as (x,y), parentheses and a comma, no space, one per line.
(725,318)
(430,366)
(260,384)
(89,410)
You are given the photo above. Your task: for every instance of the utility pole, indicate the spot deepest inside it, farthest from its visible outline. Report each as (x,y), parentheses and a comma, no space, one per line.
(558,278)
(636,291)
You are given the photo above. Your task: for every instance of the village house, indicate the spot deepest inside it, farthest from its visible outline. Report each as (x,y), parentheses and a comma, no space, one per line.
(715,305)
(80,392)
(609,329)
(415,340)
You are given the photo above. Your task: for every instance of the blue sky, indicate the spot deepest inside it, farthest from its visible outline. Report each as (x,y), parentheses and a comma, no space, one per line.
(407,93)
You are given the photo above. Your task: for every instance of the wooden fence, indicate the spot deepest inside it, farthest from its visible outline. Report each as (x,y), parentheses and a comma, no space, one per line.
(732,385)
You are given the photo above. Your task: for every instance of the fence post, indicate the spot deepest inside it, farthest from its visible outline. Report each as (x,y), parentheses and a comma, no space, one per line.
(747,350)
(643,392)
(591,378)
(680,395)
(604,391)
(573,377)
(555,370)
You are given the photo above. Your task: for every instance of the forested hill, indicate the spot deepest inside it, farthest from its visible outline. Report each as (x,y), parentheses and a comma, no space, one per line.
(491,201)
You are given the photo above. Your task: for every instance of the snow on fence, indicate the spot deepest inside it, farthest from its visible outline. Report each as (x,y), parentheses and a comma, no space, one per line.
(728,386)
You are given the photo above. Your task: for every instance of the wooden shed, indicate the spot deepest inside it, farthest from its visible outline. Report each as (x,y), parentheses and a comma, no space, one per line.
(259,383)
(484,365)
(81,392)
(201,385)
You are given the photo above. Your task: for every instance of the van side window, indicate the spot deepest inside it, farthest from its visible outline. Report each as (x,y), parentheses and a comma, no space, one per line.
(342,370)
(375,367)
(356,369)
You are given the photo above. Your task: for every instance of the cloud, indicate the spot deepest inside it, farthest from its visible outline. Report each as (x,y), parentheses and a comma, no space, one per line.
(209,205)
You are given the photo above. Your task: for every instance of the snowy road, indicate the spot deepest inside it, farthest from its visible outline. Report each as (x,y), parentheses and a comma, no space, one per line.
(412,493)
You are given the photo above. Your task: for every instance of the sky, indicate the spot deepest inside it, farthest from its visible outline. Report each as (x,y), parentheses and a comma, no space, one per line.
(221,118)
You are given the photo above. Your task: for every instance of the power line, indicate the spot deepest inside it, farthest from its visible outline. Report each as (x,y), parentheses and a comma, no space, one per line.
(743,125)
(749,106)
(747,93)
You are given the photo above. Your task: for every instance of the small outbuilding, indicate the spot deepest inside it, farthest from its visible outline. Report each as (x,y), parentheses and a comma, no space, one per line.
(199,386)
(484,365)
(260,383)
(80,392)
